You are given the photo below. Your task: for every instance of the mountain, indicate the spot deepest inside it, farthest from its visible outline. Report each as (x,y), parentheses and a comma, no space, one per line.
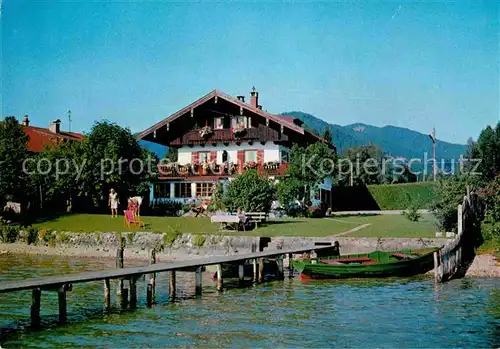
(158,149)
(395,141)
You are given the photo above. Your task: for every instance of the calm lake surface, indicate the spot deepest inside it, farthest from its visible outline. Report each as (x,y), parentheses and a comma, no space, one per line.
(293,313)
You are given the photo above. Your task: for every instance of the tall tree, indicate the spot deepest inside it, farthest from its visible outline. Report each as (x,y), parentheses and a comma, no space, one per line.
(57,175)
(250,192)
(13,152)
(172,154)
(487,149)
(114,159)
(308,167)
(363,163)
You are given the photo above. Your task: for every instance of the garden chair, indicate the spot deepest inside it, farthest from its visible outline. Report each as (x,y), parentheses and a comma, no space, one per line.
(131,220)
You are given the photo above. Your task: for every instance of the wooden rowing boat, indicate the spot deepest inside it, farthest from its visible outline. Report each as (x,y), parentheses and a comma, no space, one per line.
(374,264)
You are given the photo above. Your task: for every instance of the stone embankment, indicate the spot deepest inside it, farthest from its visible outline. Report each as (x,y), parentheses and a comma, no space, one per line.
(188,246)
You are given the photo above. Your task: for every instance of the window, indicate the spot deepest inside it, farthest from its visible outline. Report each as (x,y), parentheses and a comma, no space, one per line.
(204,189)
(204,156)
(238,120)
(161,190)
(285,156)
(182,190)
(251,155)
(218,123)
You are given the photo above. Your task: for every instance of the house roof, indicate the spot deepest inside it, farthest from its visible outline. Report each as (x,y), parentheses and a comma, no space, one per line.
(39,137)
(286,121)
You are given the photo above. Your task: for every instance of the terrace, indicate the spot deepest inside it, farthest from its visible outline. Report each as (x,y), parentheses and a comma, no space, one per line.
(172,171)
(258,134)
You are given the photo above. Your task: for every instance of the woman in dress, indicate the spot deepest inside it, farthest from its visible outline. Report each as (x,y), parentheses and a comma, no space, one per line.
(113,202)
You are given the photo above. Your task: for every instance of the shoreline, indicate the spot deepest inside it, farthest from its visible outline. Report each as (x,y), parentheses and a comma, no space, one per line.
(484,265)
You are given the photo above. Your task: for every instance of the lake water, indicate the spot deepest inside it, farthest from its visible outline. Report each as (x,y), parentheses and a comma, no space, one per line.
(292,313)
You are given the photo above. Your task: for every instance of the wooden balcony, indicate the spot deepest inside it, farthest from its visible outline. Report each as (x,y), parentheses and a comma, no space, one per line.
(258,134)
(216,171)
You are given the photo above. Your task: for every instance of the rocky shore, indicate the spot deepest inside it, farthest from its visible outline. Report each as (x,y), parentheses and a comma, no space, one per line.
(191,246)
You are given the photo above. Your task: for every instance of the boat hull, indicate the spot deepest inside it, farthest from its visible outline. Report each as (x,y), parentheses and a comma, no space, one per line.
(405,267)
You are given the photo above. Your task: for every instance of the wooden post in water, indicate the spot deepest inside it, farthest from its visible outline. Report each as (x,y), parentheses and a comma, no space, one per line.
(198,280)
(151,292)
(172,285)
(107,295)
(280,272)
(261,270)
(220,281)
(61,297)
(241,273)
(290,265)
(460,217)
(436,266)
(35,307)
(255,274)
(119,264)
(133,292)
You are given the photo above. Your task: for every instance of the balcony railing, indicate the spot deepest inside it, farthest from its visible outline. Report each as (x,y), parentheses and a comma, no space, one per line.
(260,133)
(166,171)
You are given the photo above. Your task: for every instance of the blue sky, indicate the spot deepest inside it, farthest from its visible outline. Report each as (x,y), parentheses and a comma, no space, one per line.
(415,65)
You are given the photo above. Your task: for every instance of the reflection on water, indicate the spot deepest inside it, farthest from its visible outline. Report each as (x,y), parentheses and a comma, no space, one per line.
(359,313)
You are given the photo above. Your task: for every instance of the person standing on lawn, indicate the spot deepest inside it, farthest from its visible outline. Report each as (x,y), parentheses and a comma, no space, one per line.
(113,202)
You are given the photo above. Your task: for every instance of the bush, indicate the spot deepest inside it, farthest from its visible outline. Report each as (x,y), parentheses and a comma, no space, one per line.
(162,207)
(185,208)
(317,210)
(294,210)
(491,232)
(450,193)
(170,236)
(47,237)
(250,192)
(31,237)
(199,240)
(412,213)
(9,233)
(63,237)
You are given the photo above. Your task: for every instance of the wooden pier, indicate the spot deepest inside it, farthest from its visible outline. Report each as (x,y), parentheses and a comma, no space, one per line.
(127,278)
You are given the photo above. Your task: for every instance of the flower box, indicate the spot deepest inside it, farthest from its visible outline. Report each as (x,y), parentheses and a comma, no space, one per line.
(239,129)
(205,131)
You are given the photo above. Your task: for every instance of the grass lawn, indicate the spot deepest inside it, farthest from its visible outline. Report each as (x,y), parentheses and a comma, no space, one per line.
(381,226)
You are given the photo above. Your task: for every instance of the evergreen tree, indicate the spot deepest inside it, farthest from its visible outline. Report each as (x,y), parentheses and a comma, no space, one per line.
(327,136)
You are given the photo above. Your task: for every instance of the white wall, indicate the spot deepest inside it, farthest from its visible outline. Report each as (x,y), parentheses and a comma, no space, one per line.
(271,151)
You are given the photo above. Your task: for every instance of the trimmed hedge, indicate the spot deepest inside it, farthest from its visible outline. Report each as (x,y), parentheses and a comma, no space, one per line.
(401,196)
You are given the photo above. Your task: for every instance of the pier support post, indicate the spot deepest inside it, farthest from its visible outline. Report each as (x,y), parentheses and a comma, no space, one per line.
(436,266)
(35,307)
(61,298)
(133,292)
(280,272)
(107,295)
(241,273)
(151,291)
(198,280)
(172,285)
(149,296)
(220,281)
(119,264)
(255,275)
(290,265)
(261,270)
(124,295)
